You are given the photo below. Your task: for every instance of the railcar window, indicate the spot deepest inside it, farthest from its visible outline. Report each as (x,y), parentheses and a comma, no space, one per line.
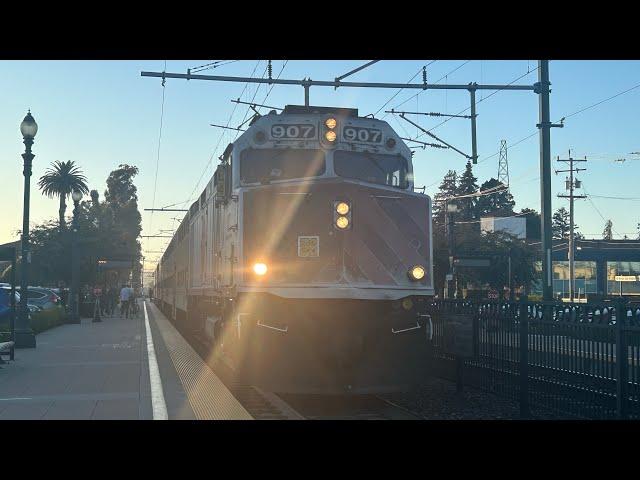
(266,165)
(372,167)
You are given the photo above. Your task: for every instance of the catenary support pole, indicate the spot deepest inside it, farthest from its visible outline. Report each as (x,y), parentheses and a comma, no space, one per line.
(545,177)
(474,143)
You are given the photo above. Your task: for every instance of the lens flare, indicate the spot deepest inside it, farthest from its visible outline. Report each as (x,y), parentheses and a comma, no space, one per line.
(260,269)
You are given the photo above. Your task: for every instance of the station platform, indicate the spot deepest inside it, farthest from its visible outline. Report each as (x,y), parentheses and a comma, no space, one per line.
(117,369)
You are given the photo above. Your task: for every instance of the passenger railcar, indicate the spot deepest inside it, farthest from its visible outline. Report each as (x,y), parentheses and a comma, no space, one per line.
(307,259)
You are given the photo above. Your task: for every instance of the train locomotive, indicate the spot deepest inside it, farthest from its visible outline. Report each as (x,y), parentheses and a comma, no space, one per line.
(307,261)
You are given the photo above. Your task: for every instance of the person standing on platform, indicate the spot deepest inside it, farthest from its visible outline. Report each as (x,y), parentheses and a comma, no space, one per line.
(125,296)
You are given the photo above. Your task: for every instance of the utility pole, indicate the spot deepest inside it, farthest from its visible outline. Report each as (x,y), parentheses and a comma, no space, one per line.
(543,91)
(571,185)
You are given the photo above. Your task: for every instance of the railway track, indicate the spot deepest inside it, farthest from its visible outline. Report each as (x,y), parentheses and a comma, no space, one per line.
(264,405)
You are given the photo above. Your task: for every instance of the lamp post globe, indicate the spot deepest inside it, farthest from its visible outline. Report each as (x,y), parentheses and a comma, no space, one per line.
(24,336)
(28,127)
(76,196)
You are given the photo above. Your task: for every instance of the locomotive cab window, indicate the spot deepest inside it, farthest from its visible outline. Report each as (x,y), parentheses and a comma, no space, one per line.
(372,167)
(272,164)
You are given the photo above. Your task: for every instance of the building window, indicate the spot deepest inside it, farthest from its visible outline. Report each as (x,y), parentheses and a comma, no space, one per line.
(585,278)
(620,278)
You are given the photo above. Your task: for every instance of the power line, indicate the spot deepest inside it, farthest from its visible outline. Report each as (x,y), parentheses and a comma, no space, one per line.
(252,100)
(220,139)
(635,199)
(207,66)
(480,101)
(409,81)
(489,191)
(567,116)
(155,182)
(439,80)
(279,74)
(596,209)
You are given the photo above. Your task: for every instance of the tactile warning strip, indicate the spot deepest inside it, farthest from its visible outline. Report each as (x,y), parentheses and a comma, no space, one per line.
(208,396)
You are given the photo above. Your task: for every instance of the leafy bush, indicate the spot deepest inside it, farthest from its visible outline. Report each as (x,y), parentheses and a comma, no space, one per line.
(40,321)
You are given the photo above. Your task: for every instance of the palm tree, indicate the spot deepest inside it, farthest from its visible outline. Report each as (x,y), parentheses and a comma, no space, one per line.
(61,180)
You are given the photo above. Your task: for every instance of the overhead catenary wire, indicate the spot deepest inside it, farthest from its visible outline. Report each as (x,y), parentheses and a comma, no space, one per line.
(577,112)
(270,89)
(219,139)
(207,66)
(437,81)
(155,181)
(252,100)
(478,102)
(409,81)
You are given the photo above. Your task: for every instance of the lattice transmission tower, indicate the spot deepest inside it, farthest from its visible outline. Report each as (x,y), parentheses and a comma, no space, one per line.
(503,164)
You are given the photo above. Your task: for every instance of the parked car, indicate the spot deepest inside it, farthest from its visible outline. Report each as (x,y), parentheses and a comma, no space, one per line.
(44,298)
(5,302)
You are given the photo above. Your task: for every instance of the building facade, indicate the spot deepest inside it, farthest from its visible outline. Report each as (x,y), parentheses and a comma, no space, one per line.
(602,268)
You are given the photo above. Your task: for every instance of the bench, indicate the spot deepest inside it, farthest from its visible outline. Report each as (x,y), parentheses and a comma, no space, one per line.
(6,348)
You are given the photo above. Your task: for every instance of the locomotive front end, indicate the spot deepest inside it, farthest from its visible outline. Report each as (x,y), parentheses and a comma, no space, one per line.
(335,262)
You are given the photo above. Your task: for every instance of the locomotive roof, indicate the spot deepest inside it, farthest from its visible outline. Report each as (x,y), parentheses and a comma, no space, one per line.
(302,109)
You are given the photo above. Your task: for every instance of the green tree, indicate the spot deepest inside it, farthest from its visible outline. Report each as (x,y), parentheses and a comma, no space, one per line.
(499,203)
(499,247)
(561,226)
(60,180)
(467,186)
(607,234)
(121,203)
(448,188)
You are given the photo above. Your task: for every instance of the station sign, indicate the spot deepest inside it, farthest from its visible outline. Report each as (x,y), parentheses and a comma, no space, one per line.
(471,262)
(105,264)
(626,278)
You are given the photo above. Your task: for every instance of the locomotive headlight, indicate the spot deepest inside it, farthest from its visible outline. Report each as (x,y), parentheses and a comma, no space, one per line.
(330,136)
(342,222)
(260,269)
(331,123)
(417,272)
(342,208)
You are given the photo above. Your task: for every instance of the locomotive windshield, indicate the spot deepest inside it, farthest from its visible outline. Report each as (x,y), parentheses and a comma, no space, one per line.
(268,164)
(372,167)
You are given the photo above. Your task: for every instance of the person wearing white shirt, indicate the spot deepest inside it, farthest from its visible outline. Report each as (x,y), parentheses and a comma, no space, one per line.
(125,297)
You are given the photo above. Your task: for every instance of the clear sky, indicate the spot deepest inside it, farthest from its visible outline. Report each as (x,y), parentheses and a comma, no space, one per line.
(103,113)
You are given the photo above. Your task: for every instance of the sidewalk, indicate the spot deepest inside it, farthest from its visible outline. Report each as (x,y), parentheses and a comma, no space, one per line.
(85,371)
(92,371)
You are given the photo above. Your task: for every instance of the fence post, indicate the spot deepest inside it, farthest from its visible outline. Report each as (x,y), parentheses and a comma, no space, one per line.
(524,361)
(622,362)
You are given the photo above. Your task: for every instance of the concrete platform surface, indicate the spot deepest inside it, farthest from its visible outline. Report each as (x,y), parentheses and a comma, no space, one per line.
(90,371)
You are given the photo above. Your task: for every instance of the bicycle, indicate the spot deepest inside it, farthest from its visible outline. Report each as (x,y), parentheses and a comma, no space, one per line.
(135,308)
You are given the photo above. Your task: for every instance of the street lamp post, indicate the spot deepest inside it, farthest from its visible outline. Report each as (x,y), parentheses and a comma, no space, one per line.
(75,260)
(24,337)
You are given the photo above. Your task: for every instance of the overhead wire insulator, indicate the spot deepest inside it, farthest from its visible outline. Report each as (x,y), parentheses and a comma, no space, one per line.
(270,70)
(424,76)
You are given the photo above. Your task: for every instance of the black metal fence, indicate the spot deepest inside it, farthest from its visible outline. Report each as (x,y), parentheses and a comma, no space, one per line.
(578,360)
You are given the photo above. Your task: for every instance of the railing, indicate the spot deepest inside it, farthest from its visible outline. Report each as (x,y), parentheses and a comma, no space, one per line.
(579,360)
